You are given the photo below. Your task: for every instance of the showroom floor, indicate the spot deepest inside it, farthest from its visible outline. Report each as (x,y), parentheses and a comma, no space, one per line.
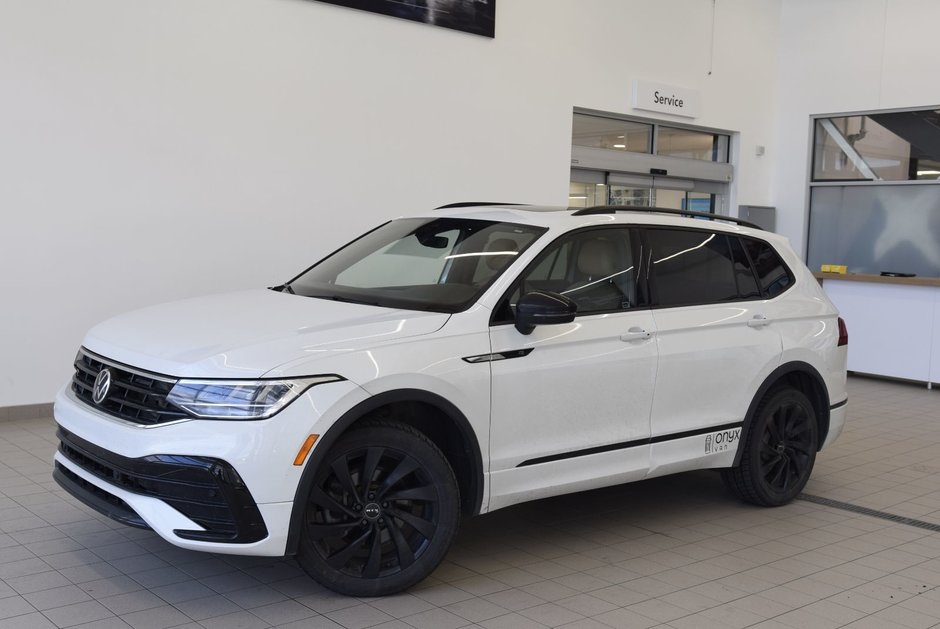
(673,552)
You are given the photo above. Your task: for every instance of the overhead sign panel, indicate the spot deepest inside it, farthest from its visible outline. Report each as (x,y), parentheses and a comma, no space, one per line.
(668,99)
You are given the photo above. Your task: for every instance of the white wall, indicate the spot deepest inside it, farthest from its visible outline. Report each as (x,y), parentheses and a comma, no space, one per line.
(157,149)
(841,56)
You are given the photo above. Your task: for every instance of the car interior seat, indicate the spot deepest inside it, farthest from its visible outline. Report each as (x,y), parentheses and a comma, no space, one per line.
(597,268)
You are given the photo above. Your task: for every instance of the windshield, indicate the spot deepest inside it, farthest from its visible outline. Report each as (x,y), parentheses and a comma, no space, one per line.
(438,264)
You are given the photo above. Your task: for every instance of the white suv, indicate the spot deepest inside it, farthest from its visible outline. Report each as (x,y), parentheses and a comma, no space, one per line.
(459,362)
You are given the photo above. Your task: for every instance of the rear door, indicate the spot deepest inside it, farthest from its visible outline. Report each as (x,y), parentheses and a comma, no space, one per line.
(717,343)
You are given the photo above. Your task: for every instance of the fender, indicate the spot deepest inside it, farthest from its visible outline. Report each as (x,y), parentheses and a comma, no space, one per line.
(775,376)
(379,400)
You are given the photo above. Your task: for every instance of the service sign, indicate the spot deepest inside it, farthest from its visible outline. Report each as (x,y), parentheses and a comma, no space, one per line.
(668,99)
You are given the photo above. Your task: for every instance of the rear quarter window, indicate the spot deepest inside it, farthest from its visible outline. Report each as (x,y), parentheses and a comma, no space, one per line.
(773,275)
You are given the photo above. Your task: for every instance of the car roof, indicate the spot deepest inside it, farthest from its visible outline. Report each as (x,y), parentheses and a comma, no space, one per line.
(566,218)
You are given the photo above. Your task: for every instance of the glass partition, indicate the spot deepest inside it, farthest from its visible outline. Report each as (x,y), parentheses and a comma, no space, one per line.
(637,137)
(611,133)
(893,146)
(674,142)
(631,196)
(586,194)
(876,228)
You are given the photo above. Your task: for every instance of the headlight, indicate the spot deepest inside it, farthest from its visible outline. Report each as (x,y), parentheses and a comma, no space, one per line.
(240,399)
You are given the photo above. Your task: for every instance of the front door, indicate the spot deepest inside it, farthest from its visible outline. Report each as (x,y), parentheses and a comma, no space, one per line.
(571,402)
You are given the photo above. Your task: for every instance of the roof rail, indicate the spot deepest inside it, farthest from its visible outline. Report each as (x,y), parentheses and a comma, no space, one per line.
(608,209)
(472,204)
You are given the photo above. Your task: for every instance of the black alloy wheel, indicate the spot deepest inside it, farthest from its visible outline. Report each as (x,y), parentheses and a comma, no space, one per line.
(382,511)
(779,451)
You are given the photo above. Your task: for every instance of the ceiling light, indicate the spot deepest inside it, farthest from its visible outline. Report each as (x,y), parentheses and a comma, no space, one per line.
(620,146)
(620,137)
(928,172)
(575,196)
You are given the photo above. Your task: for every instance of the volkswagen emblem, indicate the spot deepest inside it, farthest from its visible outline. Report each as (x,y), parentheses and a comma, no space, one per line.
(102,385)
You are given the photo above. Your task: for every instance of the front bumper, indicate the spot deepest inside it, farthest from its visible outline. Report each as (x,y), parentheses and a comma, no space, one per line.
(218,486)
(207,491)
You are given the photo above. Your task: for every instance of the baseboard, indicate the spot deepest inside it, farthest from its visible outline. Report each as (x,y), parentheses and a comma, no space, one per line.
(25,411)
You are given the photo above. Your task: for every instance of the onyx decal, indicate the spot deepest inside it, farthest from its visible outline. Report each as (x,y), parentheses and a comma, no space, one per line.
(721,441)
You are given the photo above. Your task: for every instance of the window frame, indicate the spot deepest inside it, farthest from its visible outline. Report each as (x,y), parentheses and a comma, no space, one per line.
(651,279)
(498,318)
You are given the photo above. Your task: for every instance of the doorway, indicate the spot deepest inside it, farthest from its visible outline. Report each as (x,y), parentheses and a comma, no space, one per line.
(589,188)
(618,160)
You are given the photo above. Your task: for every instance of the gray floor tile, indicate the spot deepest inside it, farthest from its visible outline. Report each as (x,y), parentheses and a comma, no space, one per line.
(120,604)
(15,606)
(238,620)
(56,597)
(156,618)
(283,612)
(208,607)
(182,591)
(38,582)
(78,613)
(34,620)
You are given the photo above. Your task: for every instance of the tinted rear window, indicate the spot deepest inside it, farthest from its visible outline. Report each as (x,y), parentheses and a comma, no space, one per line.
(691,267)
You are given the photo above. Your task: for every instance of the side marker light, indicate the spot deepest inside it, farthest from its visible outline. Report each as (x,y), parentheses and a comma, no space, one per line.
(305,449)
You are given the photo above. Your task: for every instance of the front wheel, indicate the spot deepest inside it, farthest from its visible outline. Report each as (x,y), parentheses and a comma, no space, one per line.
(779,451)
(382,512)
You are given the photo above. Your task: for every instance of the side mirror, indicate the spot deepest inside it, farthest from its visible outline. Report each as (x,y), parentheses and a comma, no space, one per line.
(543,308)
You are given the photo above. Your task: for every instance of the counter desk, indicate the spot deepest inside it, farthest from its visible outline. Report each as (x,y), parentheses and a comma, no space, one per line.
(893,322)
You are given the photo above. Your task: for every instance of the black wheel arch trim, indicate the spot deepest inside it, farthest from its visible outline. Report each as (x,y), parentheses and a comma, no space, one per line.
(326,441)
(772,380)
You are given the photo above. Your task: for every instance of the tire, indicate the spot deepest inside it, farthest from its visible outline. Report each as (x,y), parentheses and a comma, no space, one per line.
(779,451)
(381,536)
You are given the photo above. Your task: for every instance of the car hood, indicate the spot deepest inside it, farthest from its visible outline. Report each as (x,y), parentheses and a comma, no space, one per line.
(249,333)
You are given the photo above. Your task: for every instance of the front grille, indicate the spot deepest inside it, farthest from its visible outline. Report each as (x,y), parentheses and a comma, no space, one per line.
(207,491)
(135,396)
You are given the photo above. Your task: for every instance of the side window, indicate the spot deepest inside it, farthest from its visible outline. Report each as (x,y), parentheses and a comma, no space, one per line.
(772,273)
(743,274)
(553,267)
(593,268)
(691,267)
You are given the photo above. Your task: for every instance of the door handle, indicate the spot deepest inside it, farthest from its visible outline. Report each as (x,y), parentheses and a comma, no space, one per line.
(758,321)
(636,334)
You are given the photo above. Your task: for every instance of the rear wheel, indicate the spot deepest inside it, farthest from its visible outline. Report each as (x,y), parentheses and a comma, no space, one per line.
(779,451)
(382,511)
